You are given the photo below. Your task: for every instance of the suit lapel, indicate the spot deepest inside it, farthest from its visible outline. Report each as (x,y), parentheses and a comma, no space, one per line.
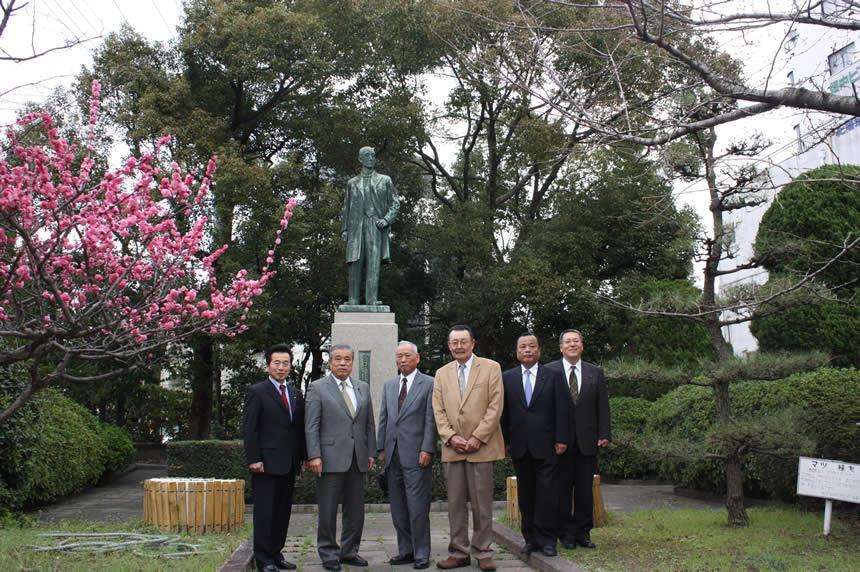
(358,398)
(519,390)
(334,389)
(540,382)
(473,377)
(276,395)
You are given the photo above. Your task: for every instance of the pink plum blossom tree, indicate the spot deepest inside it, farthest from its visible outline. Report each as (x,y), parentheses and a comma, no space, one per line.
(107,271)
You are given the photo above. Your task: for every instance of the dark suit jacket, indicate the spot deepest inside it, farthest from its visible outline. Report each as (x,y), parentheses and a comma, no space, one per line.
(591,414)
(270,435)
(533,429)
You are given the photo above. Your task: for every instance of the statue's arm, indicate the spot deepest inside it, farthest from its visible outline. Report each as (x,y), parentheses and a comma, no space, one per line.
(395,204)
(344,215)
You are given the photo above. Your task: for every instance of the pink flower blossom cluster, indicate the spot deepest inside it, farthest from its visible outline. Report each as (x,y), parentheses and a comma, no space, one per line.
(120,260)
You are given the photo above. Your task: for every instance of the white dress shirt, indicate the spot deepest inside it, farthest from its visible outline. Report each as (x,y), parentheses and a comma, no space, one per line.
(532,376)
(409,379)
(576,367)
(350,391)
(468,365)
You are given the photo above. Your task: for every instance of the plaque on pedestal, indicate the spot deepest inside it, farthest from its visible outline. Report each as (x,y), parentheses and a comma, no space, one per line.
(372,333)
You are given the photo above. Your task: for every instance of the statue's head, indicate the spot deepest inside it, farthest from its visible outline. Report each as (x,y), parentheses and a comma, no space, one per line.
(367,156)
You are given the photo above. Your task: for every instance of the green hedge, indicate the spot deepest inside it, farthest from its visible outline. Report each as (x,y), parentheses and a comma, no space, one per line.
(52,447)
(813,413)
(226,460)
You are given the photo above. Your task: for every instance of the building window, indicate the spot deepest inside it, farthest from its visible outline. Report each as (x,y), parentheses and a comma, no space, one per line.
(841,59)
(790,79)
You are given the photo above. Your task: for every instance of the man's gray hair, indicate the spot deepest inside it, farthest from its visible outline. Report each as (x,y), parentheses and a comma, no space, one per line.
(408,343)
(570,331)
(336,347)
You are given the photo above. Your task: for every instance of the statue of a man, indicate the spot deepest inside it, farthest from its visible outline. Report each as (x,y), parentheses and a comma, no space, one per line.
(370,206)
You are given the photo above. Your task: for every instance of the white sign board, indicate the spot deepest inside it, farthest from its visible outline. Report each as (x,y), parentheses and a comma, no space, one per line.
(828,479)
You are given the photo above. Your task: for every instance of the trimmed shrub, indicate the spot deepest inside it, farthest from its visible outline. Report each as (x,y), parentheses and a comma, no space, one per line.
(69,452)
(119,449)
(812,413)
(53,447)
(623,458)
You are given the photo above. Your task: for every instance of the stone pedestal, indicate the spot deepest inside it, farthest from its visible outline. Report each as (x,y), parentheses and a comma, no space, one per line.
(372,334)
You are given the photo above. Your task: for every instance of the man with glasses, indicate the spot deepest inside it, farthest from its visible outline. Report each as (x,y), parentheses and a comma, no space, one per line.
(467,402)
(274,433)
(589,430)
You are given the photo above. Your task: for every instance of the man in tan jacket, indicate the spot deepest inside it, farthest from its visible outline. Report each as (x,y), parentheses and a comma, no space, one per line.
(467,402)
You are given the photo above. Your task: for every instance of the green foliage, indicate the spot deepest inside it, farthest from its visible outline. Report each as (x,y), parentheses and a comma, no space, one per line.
(810,220)
(808,223)
(623,458)
(69,452)
(119,450)
(812,413)
(155,412)
(53,447)
(829,326)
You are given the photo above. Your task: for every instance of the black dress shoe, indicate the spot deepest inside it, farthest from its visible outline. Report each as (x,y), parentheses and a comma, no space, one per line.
(333,565)
(528,548)
(421,564)
(549,551)
(282,564)
(405,559)
(585,542)
(354,561)
(570,545)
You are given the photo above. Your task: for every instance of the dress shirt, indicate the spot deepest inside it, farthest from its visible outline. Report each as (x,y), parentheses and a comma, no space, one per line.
(532,376)
(468,365)
(409,379)
(277,385)
(350,391)
(578,367)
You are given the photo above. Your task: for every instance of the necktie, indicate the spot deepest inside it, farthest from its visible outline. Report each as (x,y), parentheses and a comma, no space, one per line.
(347,400)
(285,400)
(574,388)
(527,378)
(461,380)
(402,397)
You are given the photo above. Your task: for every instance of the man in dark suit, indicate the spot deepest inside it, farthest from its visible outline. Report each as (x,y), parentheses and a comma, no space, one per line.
(341,441)
(407,442)
(274,431)
(536,428)
(589,431)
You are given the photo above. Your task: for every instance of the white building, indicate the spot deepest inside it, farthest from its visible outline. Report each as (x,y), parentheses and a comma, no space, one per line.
(814,57)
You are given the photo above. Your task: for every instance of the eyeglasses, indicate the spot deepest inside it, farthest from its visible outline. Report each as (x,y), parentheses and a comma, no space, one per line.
(459,343)
(281,363)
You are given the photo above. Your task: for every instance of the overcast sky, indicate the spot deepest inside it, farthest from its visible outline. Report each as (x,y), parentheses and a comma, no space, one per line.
(45,24)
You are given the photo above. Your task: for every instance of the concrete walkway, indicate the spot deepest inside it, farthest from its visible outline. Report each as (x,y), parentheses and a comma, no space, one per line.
(121,501)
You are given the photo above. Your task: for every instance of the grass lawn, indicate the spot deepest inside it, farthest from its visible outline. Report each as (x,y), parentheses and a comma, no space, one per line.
(15,554)
(778,538)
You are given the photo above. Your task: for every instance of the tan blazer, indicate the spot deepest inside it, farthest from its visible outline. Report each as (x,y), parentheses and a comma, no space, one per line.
(477,415)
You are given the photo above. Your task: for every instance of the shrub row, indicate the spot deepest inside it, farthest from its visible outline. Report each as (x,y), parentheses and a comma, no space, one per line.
(813,413)
(226,460)
(52,447)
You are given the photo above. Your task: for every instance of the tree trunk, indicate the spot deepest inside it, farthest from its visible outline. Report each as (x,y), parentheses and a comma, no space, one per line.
(737,512)
(316,368)
(201,388)
(731,458)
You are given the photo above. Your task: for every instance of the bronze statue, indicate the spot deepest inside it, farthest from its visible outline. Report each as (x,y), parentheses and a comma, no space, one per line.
(370,206)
